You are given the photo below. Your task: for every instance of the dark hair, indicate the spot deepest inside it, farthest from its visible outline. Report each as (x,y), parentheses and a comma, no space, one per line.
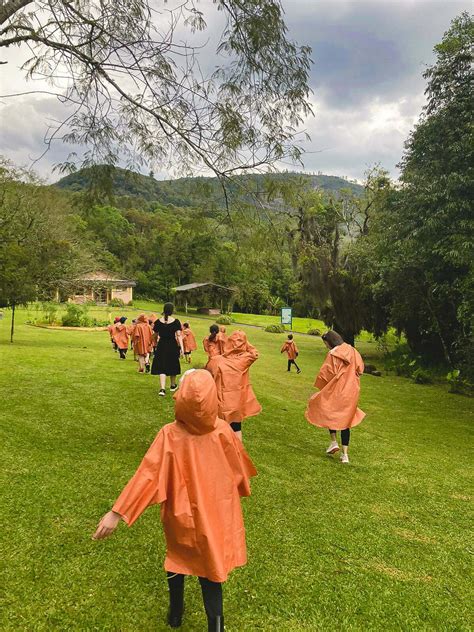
(332,338)
(214,329)
(185,324)
(123,319)
(290,336)
(167,310)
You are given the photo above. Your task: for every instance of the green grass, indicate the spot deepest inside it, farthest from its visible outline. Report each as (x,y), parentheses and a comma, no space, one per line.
(382,544)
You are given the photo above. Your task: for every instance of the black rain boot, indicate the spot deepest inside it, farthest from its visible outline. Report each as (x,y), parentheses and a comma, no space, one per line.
(175,621)
(215,624)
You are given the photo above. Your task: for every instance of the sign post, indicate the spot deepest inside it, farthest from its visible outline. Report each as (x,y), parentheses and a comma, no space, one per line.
(286,316)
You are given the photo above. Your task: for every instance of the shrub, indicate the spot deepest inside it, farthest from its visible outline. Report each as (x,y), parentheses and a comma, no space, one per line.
(457,383)
(116,302)
(76,316)
(275,329)
(50,311)
(313,332)
(421,376)
(130,304)
(224,320)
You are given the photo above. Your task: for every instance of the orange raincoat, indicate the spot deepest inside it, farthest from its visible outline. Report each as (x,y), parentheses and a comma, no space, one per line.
(335,406)
(291,349)
(110,329)
(189,341)
(231,374)
(121,336)
(197,470)
(212,347)
(142,336)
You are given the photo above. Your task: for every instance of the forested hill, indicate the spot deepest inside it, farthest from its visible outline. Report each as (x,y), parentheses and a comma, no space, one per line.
(185,191)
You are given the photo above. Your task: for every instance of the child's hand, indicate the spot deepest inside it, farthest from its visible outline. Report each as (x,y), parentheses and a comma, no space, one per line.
(107,525)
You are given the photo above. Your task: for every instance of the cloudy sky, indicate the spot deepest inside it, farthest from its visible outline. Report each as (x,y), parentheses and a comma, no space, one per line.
(369,57)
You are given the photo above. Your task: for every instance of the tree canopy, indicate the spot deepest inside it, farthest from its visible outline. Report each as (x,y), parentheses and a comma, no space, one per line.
(132,74)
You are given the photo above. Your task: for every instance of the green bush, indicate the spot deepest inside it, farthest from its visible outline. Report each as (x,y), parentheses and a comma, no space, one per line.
(421,376)
(116,302)
(76,316)
(50,311)
(275,329)
(224,320)
(313,332)
(458,384)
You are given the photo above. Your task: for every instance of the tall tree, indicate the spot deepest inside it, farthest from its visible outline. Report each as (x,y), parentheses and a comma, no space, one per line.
(136,85)
(38,249)
(425,236)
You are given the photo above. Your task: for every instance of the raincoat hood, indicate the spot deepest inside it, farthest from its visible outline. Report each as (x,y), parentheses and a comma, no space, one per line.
(236,343)
(344,352)
(196,402)
(142,319)
(123,319)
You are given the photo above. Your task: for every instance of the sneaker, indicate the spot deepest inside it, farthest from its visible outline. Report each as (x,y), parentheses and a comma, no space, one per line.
(147,368)
(344,458)
(173,388)
(333,448)
(162,392)
(298,371)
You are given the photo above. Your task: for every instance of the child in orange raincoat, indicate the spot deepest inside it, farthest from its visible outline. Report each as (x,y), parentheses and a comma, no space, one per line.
(121,337)
(142,340)
(335,406)
(230,371)
(189,342)
(212,343)
(197,470)
(289,347)
(111,329)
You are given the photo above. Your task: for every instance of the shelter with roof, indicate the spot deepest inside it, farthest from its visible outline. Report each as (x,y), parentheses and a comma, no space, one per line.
(101,287)
(208,298)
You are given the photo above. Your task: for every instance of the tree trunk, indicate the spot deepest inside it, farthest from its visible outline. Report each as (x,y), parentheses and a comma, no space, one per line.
(12,330)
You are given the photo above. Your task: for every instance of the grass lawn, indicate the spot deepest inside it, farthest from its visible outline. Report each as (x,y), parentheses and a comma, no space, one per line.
(381,544)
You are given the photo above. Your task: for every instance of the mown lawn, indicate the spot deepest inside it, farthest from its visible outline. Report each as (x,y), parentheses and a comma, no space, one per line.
(382,544)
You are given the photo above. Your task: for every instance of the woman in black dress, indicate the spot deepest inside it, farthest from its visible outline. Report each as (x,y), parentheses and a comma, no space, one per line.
(168,350)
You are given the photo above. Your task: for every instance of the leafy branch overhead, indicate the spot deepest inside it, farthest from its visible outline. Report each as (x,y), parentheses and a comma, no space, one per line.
(130,74)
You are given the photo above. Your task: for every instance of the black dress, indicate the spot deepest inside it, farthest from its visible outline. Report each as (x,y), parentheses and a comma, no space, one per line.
(166,358)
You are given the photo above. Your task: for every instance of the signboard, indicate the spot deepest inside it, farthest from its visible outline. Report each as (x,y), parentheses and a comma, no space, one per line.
(286,316)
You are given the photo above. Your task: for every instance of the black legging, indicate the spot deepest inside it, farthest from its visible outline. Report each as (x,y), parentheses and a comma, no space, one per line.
(290,362)
(211,595)
(345,435)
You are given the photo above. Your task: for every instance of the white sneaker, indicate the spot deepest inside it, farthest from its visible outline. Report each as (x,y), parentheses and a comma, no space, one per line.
(344,458)
(333,448)
(173,388)
(162,392)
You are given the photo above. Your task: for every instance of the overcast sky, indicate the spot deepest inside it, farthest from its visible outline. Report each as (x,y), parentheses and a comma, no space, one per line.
(369,57)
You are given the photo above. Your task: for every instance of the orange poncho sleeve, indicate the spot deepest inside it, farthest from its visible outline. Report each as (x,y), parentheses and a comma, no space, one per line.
(327,372)
(148,486)
(242,467)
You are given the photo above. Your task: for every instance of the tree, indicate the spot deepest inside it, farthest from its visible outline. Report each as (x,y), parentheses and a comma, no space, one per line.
(136,86)
(423,240)
(38,251)
(325,236)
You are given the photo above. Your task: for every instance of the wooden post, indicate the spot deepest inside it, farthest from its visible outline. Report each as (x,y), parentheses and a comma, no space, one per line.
(13,323)
(186,305)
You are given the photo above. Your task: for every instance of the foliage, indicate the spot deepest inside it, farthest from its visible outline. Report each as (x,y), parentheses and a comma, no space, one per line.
(275,329)
(50,311)
(76,316)
(224,320)
(420,252)
(458,383)
(39,250)
(313,332)
(129,188)
(133,76)
(116,302)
